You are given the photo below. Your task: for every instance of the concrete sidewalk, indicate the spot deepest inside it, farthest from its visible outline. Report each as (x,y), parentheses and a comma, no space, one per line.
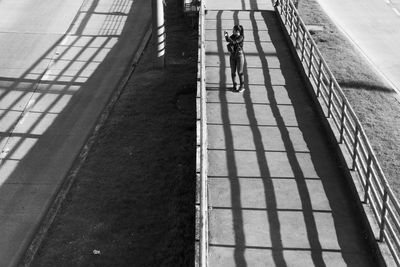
(277,195)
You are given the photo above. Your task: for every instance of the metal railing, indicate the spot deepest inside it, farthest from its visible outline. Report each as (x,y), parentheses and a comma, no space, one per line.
(375,190)
(202,153)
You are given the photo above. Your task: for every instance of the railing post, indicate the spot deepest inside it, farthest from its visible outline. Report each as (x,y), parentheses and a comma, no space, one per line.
(342,121)
(297,31)
(355,148)
(286,12)
(367,179)
(330,98)
(291,21)
(311,59)
(319,77)
(303,45)
(383,215)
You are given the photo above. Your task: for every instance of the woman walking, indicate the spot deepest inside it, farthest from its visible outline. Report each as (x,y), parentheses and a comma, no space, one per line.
(235,47)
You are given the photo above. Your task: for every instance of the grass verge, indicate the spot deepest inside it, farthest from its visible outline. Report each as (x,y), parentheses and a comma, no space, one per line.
(372,99)
(132,203)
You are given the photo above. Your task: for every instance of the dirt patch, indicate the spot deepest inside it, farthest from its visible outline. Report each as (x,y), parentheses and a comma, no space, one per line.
(132,203)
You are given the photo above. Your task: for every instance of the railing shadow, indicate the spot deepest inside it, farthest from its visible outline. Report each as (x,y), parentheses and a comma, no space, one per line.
(326,224)
(48,112)
(311,227)
(79,64)
(270,197)
(326,164)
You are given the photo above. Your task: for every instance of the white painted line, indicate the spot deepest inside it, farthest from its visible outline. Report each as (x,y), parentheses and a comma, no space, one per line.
(396,11)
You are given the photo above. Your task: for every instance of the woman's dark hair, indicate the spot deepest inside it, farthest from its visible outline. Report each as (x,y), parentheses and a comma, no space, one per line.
(239,28)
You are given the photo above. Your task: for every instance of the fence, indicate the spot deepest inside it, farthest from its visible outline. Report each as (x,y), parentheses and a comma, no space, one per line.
(374,187)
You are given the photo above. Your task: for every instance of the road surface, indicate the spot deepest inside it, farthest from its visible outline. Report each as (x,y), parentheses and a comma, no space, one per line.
(60,61)
(374,27)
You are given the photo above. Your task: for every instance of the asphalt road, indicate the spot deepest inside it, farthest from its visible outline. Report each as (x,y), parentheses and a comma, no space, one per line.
(374,27)
(60,61)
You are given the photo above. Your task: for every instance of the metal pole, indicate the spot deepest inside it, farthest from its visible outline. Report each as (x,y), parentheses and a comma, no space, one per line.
(330,98)
(367,179)
(158,33)
(342,122)
(383,215)
(355,148)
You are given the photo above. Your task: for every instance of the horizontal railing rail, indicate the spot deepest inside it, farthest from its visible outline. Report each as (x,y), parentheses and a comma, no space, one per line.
(347,129)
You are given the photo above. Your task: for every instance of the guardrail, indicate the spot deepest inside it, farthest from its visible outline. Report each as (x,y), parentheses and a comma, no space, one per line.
(202,167)
(347,129)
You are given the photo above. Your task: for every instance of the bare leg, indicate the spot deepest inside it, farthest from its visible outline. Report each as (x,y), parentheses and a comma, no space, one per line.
(240,67)
(232,61)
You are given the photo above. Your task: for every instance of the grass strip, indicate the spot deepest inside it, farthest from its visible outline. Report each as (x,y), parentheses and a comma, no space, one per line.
(132,203)
(372,99)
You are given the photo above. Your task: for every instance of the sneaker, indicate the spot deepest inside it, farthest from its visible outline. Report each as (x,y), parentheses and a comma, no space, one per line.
(234,87)
(241,88)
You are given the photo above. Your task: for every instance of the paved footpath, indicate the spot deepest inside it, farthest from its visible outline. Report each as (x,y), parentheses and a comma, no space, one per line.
(277,195)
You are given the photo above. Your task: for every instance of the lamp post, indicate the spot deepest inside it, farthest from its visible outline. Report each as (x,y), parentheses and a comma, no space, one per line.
(158,33)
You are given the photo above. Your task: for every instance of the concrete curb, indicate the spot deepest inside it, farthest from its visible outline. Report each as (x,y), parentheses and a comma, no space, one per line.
(380,250)
(200,143)
(52,212)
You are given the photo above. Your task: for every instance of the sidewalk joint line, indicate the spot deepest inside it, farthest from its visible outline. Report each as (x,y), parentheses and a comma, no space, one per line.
(273,209)
(262,178)
(254,150)
(254,104)
(290,249)
(259,125)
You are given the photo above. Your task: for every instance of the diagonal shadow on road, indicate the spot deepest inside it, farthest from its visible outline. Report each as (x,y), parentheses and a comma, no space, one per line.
(48,112)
